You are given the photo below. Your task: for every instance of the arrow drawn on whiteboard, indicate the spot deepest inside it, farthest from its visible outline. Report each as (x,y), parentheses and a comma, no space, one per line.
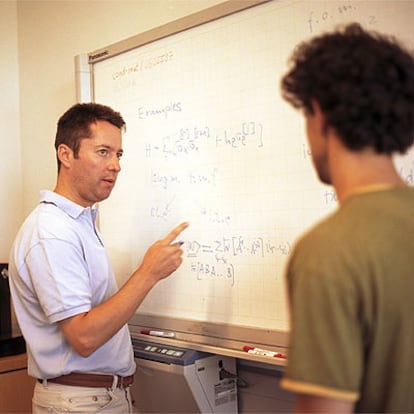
(162,212)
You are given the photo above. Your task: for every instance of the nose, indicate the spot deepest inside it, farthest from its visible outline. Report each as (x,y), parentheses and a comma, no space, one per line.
(114,164)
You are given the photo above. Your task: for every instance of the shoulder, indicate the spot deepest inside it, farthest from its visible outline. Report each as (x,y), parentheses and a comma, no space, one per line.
(46,225)
(322,237)
(48,221)
(55,216)
(327,251)
(354,222)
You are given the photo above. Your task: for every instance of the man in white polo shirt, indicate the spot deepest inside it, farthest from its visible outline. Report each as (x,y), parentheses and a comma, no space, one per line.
(72,316)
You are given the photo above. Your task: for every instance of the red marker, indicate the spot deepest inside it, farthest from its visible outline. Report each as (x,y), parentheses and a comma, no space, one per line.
(262,352)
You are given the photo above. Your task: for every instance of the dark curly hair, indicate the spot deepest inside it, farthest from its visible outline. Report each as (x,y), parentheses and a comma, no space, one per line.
(364,84)
(74,124)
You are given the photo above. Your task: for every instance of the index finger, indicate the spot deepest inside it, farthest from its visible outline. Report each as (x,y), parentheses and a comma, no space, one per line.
(173,234)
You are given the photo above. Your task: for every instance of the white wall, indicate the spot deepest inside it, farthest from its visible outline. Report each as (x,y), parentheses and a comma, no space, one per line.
(10,158)
(51,33)
(38,43)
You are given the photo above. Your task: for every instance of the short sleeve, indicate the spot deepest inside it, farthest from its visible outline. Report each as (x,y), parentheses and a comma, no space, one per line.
(326,352)
(60,278)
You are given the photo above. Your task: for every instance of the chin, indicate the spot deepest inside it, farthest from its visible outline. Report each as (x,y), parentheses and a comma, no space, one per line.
(103,198)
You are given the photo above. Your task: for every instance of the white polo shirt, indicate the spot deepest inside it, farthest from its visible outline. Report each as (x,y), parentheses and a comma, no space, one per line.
(59,268)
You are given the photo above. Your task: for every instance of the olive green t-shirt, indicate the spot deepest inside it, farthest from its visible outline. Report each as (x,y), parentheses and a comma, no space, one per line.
(351,289)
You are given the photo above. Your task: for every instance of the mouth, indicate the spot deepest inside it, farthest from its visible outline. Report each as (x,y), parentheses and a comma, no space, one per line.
(110,181)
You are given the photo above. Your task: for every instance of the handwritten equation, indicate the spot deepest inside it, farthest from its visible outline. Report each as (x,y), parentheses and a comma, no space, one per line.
(407,174)
(208,271)
(327,18)
(215,260)
(143,64)
(191,177)
(186,141)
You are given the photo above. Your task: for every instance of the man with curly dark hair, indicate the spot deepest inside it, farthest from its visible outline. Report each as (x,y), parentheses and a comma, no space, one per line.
(351,278)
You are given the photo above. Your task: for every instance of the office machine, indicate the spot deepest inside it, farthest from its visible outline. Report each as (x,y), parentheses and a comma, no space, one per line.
(172,379)
(11,339)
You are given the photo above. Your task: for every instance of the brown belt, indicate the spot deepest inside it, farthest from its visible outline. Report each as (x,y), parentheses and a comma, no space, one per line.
(80,379)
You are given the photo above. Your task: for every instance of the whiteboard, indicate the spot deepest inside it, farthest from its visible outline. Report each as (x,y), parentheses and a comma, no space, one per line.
(210,141)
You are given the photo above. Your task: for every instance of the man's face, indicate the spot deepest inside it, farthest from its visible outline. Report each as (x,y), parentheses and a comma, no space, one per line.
(94,172)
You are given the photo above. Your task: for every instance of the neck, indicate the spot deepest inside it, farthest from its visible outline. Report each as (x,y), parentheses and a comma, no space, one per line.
(66,190)
(362,171)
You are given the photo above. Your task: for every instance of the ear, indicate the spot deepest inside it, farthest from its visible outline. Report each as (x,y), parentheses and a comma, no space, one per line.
(65,155)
